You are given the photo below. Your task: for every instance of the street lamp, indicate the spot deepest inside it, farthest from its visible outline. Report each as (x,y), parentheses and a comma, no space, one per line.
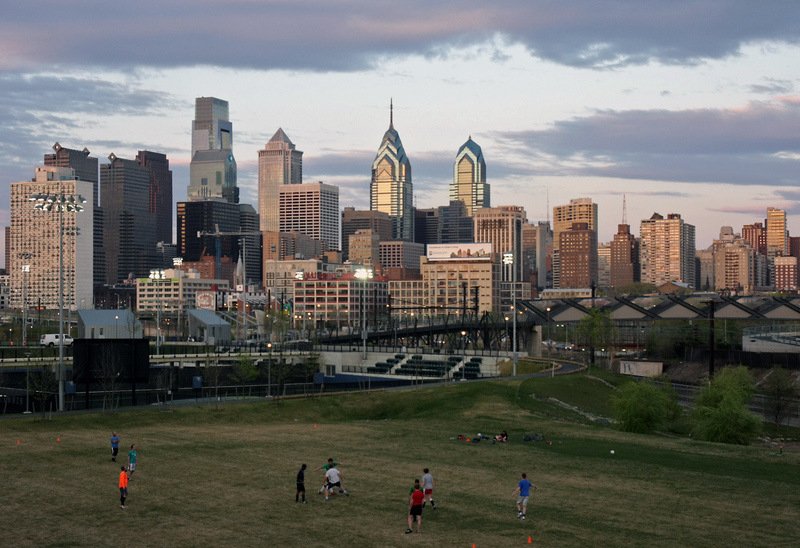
(364,274)
(508,259)
(548,328)
(60,202)
(463,351)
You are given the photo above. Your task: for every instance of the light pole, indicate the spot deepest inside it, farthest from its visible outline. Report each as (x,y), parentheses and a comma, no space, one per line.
(508,259)
(157,276)
(25,269)
(364,274)
(463,351)
(60,202)
(548,330)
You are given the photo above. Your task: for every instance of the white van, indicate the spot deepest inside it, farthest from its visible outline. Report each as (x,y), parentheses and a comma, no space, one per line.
(51,339)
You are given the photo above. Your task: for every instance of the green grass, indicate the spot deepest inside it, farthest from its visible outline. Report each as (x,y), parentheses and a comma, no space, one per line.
(225,476)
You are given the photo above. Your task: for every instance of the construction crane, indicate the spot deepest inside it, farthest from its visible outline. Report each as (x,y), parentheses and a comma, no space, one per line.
(218,245)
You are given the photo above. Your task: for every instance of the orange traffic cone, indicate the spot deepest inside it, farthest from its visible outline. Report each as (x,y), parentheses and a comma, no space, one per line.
(529,540)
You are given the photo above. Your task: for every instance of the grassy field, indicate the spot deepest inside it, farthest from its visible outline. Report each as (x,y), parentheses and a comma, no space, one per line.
(225,476)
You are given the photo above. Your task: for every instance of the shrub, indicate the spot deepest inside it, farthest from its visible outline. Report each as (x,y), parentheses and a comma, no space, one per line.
(721,412)
(642,408)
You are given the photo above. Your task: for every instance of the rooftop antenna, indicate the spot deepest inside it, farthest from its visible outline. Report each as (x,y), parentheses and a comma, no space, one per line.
(624,211)
(547,206)
(391,113)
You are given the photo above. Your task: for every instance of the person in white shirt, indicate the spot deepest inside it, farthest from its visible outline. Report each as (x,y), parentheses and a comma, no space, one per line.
(334,478)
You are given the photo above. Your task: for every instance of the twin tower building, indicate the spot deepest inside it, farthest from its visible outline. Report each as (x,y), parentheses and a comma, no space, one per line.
(280,164)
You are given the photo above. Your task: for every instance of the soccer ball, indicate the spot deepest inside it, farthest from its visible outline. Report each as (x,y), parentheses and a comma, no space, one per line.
(612,451)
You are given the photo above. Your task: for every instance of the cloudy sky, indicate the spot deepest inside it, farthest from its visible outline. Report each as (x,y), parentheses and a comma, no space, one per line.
(686,107)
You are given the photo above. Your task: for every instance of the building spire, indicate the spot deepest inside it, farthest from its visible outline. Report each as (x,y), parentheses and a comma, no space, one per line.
(624,211)
(391,113)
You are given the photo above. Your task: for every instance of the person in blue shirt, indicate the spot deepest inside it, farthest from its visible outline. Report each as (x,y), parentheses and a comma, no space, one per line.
(114,446)
(524,491)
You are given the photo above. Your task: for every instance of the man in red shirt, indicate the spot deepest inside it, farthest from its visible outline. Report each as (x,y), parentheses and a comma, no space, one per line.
(415,501)
(123,487)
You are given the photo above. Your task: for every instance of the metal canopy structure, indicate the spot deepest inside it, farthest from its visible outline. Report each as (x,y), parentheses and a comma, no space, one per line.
(667,307)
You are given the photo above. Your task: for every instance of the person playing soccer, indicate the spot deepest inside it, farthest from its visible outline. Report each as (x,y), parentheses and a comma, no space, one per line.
(123,487)
(415,501)
(301,484)
(132,460)
(327,467)
(428,487)
(524,491)
(334,478)
(114,446)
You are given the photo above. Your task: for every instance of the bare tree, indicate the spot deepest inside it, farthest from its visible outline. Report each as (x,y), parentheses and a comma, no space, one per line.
(43,383)
(781,389)
(110,373)
(244,371)
(212,373)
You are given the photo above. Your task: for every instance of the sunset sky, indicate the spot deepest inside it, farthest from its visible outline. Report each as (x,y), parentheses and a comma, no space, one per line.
(683,107)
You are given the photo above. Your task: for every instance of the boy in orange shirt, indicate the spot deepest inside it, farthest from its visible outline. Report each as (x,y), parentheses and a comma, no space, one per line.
(123,487)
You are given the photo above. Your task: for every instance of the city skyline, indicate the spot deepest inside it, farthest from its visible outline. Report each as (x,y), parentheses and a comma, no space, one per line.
(688,108)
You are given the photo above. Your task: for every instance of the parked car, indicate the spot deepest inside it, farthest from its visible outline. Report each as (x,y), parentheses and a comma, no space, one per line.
(52,339)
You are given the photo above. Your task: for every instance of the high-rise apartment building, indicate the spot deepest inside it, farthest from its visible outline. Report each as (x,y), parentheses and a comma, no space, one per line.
(86,169)
(279,163)
(160,191)
(311,209)
(603,264)
(250,240)
(391,190)
(129,227)
(400,254)
(786,274)
(624,267)
(667,251)
(735,266)
(212,171)
(469,179)
(579,210)
(502,226)
(578,245)
(544,255)
(756,235)
(34,241)
(359,219)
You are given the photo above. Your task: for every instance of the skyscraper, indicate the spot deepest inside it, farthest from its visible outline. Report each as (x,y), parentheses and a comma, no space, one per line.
(777,235)
(391,190)
(160,191)
(578,245)
(212,171)
(278,164)
(34,240)
(129,227)
(469,178)
(667,251)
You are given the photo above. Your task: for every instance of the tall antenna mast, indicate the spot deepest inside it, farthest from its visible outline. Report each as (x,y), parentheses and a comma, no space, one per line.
(547,205)
(624,211)
(391,112)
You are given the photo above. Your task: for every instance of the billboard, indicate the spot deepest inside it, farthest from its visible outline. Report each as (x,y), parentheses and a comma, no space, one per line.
(459,252)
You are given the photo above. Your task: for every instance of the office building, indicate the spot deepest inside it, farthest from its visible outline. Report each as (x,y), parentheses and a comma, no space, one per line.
(777,235)
(160,192)
(311,209)
(579,210)
(667,250)
(354,219)
(391,190)
(364,248)
(400,254)
(175,292)
(250,240)
(786,274)
(469,179)
(450,282)
(129,227)
(279,163)
(756,235)
(206,217)
(455,224)
(735,266)
(604,264)
(502,226)
(212,171)
(86,169)
(34,241)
